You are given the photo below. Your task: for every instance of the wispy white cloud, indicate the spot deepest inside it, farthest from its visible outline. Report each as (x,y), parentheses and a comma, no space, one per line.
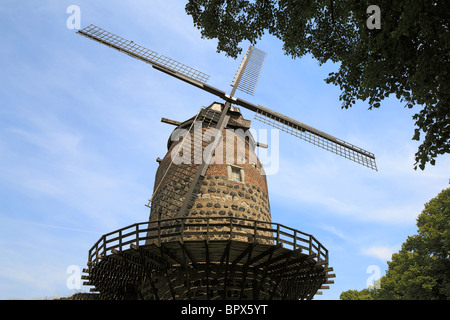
(383,253)
(49,157)
(395,194)
(334,230)
(35,256)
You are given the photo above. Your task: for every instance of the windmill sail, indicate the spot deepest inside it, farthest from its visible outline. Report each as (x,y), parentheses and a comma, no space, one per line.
(245,80)
(136,51)
(183,173)
(312,135)
(251,64)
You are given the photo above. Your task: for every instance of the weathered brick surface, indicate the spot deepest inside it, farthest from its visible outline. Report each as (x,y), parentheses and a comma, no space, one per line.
(217,194)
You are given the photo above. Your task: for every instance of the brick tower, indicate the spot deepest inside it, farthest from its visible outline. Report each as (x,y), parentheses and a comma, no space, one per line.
(224,246)
(234,184)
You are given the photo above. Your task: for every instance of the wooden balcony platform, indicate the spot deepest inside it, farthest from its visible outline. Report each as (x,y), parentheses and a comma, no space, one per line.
(207,258)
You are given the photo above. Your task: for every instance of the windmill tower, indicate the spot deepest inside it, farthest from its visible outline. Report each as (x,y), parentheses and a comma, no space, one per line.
(210,234)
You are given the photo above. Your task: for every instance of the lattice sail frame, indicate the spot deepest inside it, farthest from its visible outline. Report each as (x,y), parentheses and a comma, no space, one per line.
(185,170)
(250,76)
(246,79)
(320,139)
(139,52)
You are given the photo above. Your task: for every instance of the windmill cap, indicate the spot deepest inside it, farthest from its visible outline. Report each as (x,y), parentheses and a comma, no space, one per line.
(216,106)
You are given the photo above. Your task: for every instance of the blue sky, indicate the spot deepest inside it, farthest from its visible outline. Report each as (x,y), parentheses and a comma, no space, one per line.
(80,131)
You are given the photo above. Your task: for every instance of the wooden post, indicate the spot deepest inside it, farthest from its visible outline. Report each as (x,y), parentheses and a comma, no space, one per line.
(182,231)
(231,227)
(137,234)
(207,231)
(278,234)
(310,244)
(104,245)
(159,233)
(295,240)
(90,260)
(120,240)
(318,252)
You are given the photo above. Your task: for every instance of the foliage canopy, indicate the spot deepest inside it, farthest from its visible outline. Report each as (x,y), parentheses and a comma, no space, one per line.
(421,269)
(409,56)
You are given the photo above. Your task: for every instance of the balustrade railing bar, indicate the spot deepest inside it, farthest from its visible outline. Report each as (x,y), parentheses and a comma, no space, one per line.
(226,228)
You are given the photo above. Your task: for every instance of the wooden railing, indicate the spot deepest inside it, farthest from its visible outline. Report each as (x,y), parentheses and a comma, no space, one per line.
(208,229)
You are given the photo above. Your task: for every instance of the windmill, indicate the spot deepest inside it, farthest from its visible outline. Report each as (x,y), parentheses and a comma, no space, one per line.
(210,234)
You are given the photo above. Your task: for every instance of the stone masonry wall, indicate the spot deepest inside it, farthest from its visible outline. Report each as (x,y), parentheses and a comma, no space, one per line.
(218,194)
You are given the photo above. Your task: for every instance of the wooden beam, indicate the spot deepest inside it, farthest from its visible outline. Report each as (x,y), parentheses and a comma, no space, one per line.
(189,254)
(226,255)
(245,270)
(279,258)
(280,275)
(124,257)
(155,261)
(166,272)
(262,145)
(263,278)
(261,255)
(172,122)
(297,272)
(226,252)
(207,268)
(243,254)
(170,254)
(293,264)
(144,258)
